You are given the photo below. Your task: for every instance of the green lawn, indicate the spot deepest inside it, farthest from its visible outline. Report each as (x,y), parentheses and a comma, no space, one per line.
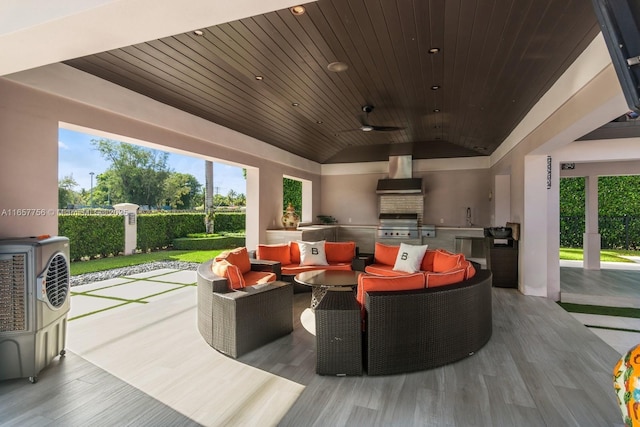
(608,255)
(82,267)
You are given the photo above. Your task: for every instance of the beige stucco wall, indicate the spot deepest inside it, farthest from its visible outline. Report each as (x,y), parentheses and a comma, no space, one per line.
(447,194)
(29,120)
(28,164)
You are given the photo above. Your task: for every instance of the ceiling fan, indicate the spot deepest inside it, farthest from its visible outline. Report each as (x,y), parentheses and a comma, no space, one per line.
(366,127)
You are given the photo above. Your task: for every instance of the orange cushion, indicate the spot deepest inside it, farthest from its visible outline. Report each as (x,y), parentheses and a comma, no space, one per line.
(385,254)
(427,261)
(280,253)
(469,269)
(383,270)
(238,257)
(340,251)
(295,252)
(224,268)
(258,277)
(445,261)
(433,280)
(368,282)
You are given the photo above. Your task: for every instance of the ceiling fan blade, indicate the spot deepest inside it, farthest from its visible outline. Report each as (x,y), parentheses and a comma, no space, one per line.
(386,128)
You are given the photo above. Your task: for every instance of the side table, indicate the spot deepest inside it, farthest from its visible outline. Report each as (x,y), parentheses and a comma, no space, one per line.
(361,261)
(338,334)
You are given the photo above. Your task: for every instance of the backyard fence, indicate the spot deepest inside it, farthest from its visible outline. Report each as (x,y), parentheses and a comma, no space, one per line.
(616,232)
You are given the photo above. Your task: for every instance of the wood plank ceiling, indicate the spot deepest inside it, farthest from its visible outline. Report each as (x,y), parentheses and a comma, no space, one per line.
(496,59)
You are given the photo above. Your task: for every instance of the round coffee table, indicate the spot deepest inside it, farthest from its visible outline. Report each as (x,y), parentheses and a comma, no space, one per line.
(321,280)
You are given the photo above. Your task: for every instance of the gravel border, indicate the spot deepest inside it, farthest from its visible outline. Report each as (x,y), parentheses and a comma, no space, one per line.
(83,279)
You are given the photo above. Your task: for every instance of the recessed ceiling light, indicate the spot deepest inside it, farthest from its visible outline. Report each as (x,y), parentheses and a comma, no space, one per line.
(436,110)
(435,87)
(295,104)
(434,50)
(198,33)
(337,67)
(319,122)
(298,10)
(259,78)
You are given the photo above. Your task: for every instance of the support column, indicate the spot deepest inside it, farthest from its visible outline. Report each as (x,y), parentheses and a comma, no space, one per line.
(591,237)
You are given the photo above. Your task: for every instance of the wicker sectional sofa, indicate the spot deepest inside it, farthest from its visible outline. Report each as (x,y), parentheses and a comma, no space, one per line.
(420,329)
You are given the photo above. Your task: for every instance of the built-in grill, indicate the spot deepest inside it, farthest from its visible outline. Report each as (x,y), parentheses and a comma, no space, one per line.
(398,226)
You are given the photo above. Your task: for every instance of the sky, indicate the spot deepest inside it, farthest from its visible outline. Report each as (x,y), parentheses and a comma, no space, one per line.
(77,157)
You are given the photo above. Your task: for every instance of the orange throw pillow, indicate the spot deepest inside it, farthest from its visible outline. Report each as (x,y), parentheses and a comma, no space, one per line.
(340,251)
(445,261)
(295,253)
(385,254)
(229,271)
(238,257)
(427,261)
(280,253)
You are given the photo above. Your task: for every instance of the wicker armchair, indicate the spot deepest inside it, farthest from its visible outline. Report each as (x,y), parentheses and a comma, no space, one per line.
(236,322)
(422,329)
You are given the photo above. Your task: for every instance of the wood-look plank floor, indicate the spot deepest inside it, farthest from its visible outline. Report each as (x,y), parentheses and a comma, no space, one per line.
(147,365)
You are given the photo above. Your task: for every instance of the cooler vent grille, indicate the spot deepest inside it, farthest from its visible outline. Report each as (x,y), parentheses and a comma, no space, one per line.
(57,281)
(13,304)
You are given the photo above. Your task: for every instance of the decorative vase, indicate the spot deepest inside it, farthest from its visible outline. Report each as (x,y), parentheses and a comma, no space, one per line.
(290,219)
(626,383)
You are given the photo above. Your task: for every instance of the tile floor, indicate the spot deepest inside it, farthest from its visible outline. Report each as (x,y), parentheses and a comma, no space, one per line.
(105,296)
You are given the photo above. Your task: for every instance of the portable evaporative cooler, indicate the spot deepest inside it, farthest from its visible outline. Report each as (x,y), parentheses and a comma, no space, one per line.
(34,302)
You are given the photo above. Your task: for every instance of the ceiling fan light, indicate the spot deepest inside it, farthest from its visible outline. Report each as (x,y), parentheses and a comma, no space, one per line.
(366,128)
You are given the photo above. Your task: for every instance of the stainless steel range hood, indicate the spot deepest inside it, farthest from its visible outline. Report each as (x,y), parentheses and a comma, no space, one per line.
(400,179)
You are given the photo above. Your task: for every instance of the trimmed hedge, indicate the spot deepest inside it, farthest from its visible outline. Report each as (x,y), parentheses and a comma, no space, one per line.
(229,222)
(101,235)
(208,243)
(92,235)
(158,230)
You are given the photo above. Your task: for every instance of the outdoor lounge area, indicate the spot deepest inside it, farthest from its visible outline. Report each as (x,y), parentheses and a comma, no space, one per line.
(149,366)
(425,123)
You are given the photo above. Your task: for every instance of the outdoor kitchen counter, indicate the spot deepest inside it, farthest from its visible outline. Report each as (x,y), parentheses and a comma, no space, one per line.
(446,237)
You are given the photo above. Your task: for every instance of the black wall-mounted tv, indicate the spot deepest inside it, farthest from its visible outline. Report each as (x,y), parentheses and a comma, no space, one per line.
(620,24)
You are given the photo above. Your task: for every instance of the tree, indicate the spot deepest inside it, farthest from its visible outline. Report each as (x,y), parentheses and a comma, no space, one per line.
(66,195)
(139,172)
(180,190)
(208,196)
